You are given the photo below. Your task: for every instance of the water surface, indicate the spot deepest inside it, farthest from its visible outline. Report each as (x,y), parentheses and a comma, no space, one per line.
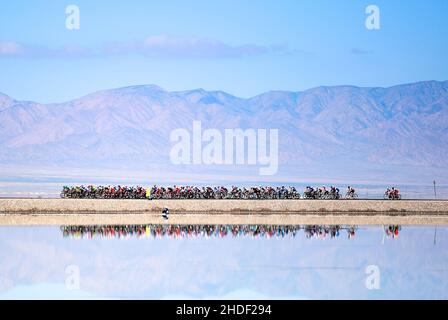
(288,262)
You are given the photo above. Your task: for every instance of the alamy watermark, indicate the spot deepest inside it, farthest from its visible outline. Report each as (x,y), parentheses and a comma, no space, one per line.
(73,17)
(72,281)
(373,280)
(234,146)
(373,18)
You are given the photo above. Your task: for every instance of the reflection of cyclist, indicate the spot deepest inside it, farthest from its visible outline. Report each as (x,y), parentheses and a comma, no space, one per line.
(351,232)
(393,231)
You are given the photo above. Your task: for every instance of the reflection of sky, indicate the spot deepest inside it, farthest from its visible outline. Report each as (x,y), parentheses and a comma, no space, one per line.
(33,262)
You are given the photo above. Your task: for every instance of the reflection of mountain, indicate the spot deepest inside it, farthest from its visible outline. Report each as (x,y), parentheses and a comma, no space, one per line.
(401,125)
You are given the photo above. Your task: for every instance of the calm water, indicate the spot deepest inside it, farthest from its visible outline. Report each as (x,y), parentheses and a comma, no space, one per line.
(293,262)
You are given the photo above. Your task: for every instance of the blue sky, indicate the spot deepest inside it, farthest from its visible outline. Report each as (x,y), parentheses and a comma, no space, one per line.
(242,47)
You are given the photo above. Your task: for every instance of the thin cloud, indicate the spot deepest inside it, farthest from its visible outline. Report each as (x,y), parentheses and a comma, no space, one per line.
(176,47)
(10,49)
(359,51)
(159,46)
(200,48)
(18,50)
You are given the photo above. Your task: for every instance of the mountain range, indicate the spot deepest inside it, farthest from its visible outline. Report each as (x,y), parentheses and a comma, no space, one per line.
(337,132)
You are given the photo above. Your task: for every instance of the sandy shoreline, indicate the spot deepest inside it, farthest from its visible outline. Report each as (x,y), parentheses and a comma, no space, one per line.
(90,212)
(218,206)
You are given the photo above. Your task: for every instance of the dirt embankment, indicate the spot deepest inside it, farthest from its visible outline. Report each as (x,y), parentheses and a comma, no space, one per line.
(221,206)
(84,211)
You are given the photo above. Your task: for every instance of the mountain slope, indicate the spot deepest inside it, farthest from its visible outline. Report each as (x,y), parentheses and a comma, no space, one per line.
(324,126)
